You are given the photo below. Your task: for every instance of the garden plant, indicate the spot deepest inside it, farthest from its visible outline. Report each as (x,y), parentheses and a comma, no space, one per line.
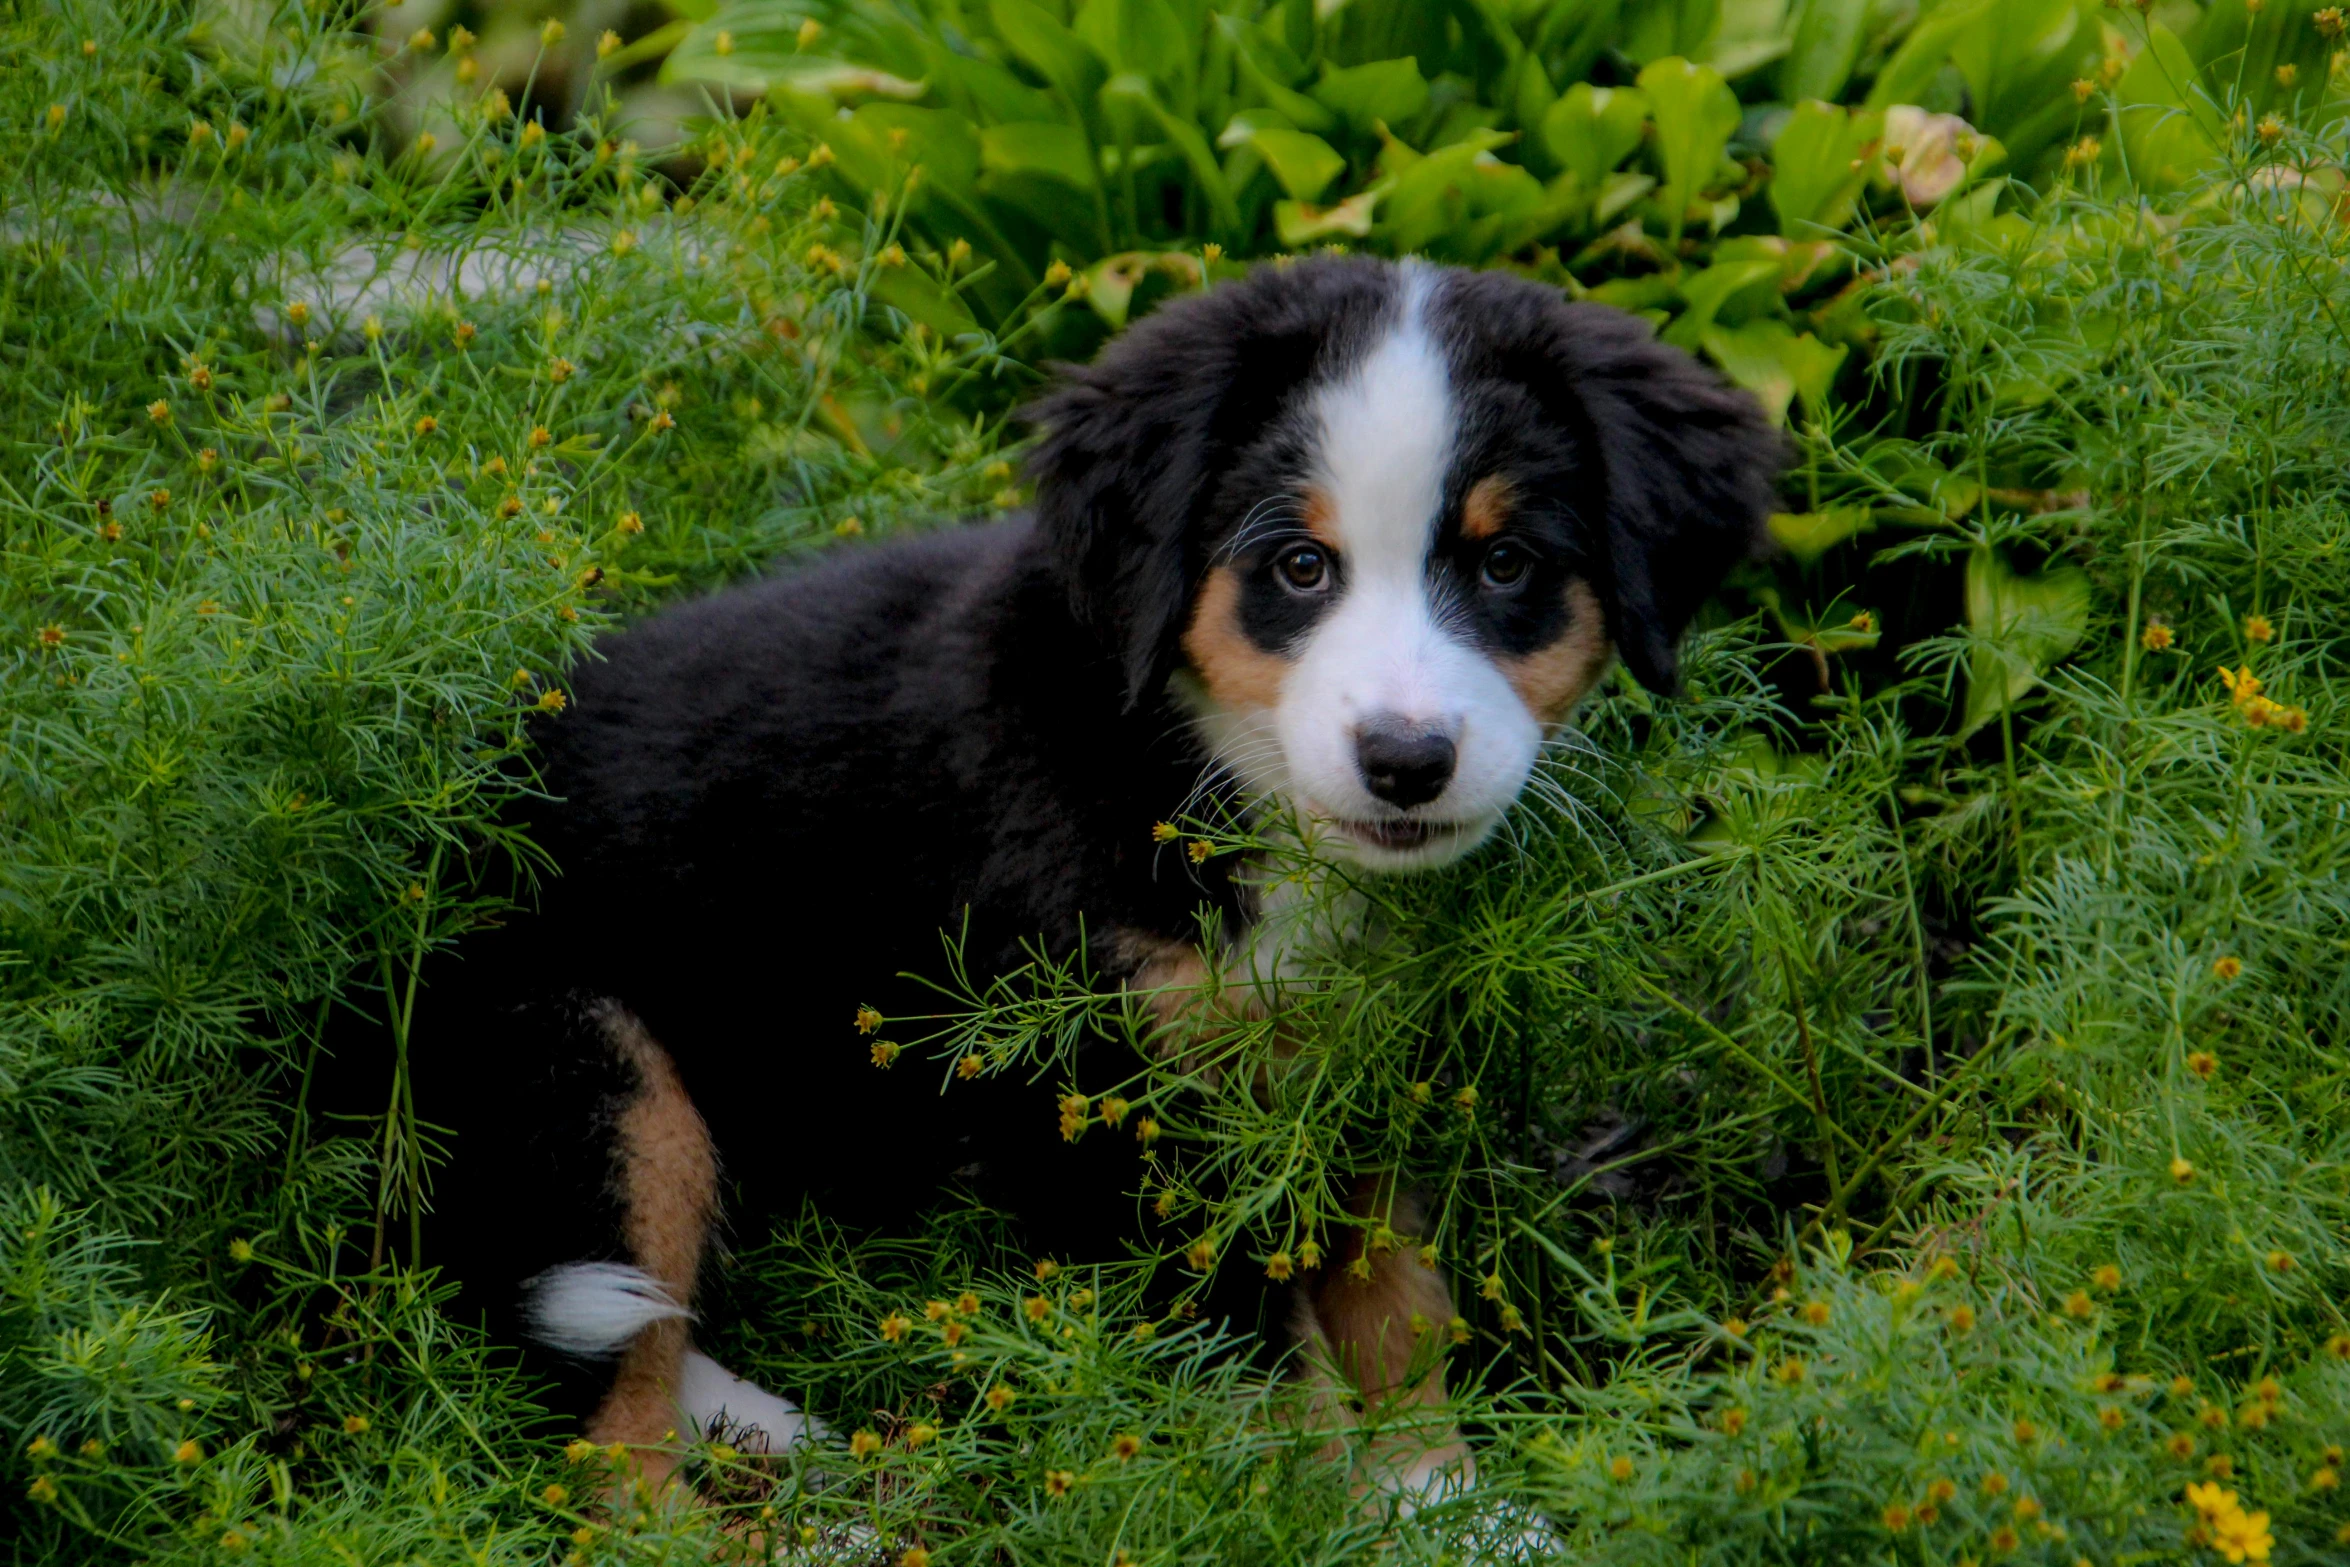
(1887,1104)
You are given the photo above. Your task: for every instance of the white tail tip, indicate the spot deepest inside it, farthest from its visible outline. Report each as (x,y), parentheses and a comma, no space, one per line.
(593,1309)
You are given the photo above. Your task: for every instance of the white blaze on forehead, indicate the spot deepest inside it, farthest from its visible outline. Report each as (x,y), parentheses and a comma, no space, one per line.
(1386,440)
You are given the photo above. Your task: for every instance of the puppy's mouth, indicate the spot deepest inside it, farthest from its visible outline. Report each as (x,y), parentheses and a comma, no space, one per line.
(1400,836)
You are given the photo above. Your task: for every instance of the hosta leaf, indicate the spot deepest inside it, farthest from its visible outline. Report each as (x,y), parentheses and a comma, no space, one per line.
(1391,91)
(1816,166)
(1695,112)
(2032,622)
(1592,129)
(1056,152)
(1304,164)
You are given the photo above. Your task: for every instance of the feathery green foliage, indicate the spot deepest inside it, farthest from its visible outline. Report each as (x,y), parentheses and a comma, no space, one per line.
(1886,1106)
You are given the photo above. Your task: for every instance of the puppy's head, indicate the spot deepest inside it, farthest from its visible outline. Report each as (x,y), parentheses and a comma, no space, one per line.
(1381,526)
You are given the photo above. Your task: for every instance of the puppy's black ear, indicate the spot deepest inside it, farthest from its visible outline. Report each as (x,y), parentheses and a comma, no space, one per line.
(1134,445)
(1690,466)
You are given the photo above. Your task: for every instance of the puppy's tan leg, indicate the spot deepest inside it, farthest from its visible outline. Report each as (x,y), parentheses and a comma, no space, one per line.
(668,1178)
(1371,1323)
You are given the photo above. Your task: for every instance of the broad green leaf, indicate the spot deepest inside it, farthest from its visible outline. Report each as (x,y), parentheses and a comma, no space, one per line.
(1809,535)
(1771,361)
(1618,192)
(2170,127)
(1303,164)
(1659,29)
(1695,112)
(922,299)
(1055,152)
(1129,99)
(1824,47)
(1913,66)
(1592,129)
(2030,622)
(1389,91)
(1300,224)
(1051,50)
(1144,36)
(757,70)
(1422,202)
(1705,292)
(1262,78)
(1816,166)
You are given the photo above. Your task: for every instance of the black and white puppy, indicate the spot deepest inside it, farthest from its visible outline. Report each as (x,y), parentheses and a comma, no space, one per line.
(1352,535)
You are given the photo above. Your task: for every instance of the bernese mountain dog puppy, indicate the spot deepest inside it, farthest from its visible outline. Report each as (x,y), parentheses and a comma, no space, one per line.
(1347,536)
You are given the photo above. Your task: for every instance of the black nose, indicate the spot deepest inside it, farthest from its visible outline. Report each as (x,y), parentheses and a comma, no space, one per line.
(1403,763)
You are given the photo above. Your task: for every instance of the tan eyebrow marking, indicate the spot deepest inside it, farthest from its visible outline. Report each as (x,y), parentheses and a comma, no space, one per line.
(1488,506)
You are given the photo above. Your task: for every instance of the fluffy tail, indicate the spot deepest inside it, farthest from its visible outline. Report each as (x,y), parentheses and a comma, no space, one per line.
(593,1309)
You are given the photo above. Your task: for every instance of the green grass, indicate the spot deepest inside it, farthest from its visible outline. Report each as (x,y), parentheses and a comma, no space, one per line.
(1941,973)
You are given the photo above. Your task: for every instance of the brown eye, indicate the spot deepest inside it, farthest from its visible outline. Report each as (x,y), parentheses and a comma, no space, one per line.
(1306,569)
(1506,565)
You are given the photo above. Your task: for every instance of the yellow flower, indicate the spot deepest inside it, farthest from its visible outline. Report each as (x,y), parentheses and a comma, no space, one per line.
(1125,1445)
(551,34)
(1896,1517)
(579,1451)
(1619,1468)
(43,1489)
(2329,22)
(970,1067)
(540,437)
(1962,1318)
(810,31)
(2339,1346)
(723,43)
(2325,1479)
(1733,1422)
(1212,253)
(354,1425)
(1199,849)
(1058,1481)
(554,1496)
(2026,1433)
(2181,1446)
(2202,1063)
(465,334)
(2181,1171)
(2258,629)
(188,1452)
(2083,89)
(2110,1417)
(1993,1484)
(2156,638)
(1277,1266)
(2219,1464)
(1791,1371)
(867,1020)
(967,1304)
(913,1556)
(427,425)
(921,1434)
(2003,1539)
(2280,1262)
(2085,151)
(2078,1306)
(1113,1111)
(895,1326)
(552,700)
(1056,274)
(864,1445)
(1200,1255)
(884,1053)
(2107,1277)
(199,132)
(2243,685)
(159,411)
(2271,130)
(606,43)
(1734,1326)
